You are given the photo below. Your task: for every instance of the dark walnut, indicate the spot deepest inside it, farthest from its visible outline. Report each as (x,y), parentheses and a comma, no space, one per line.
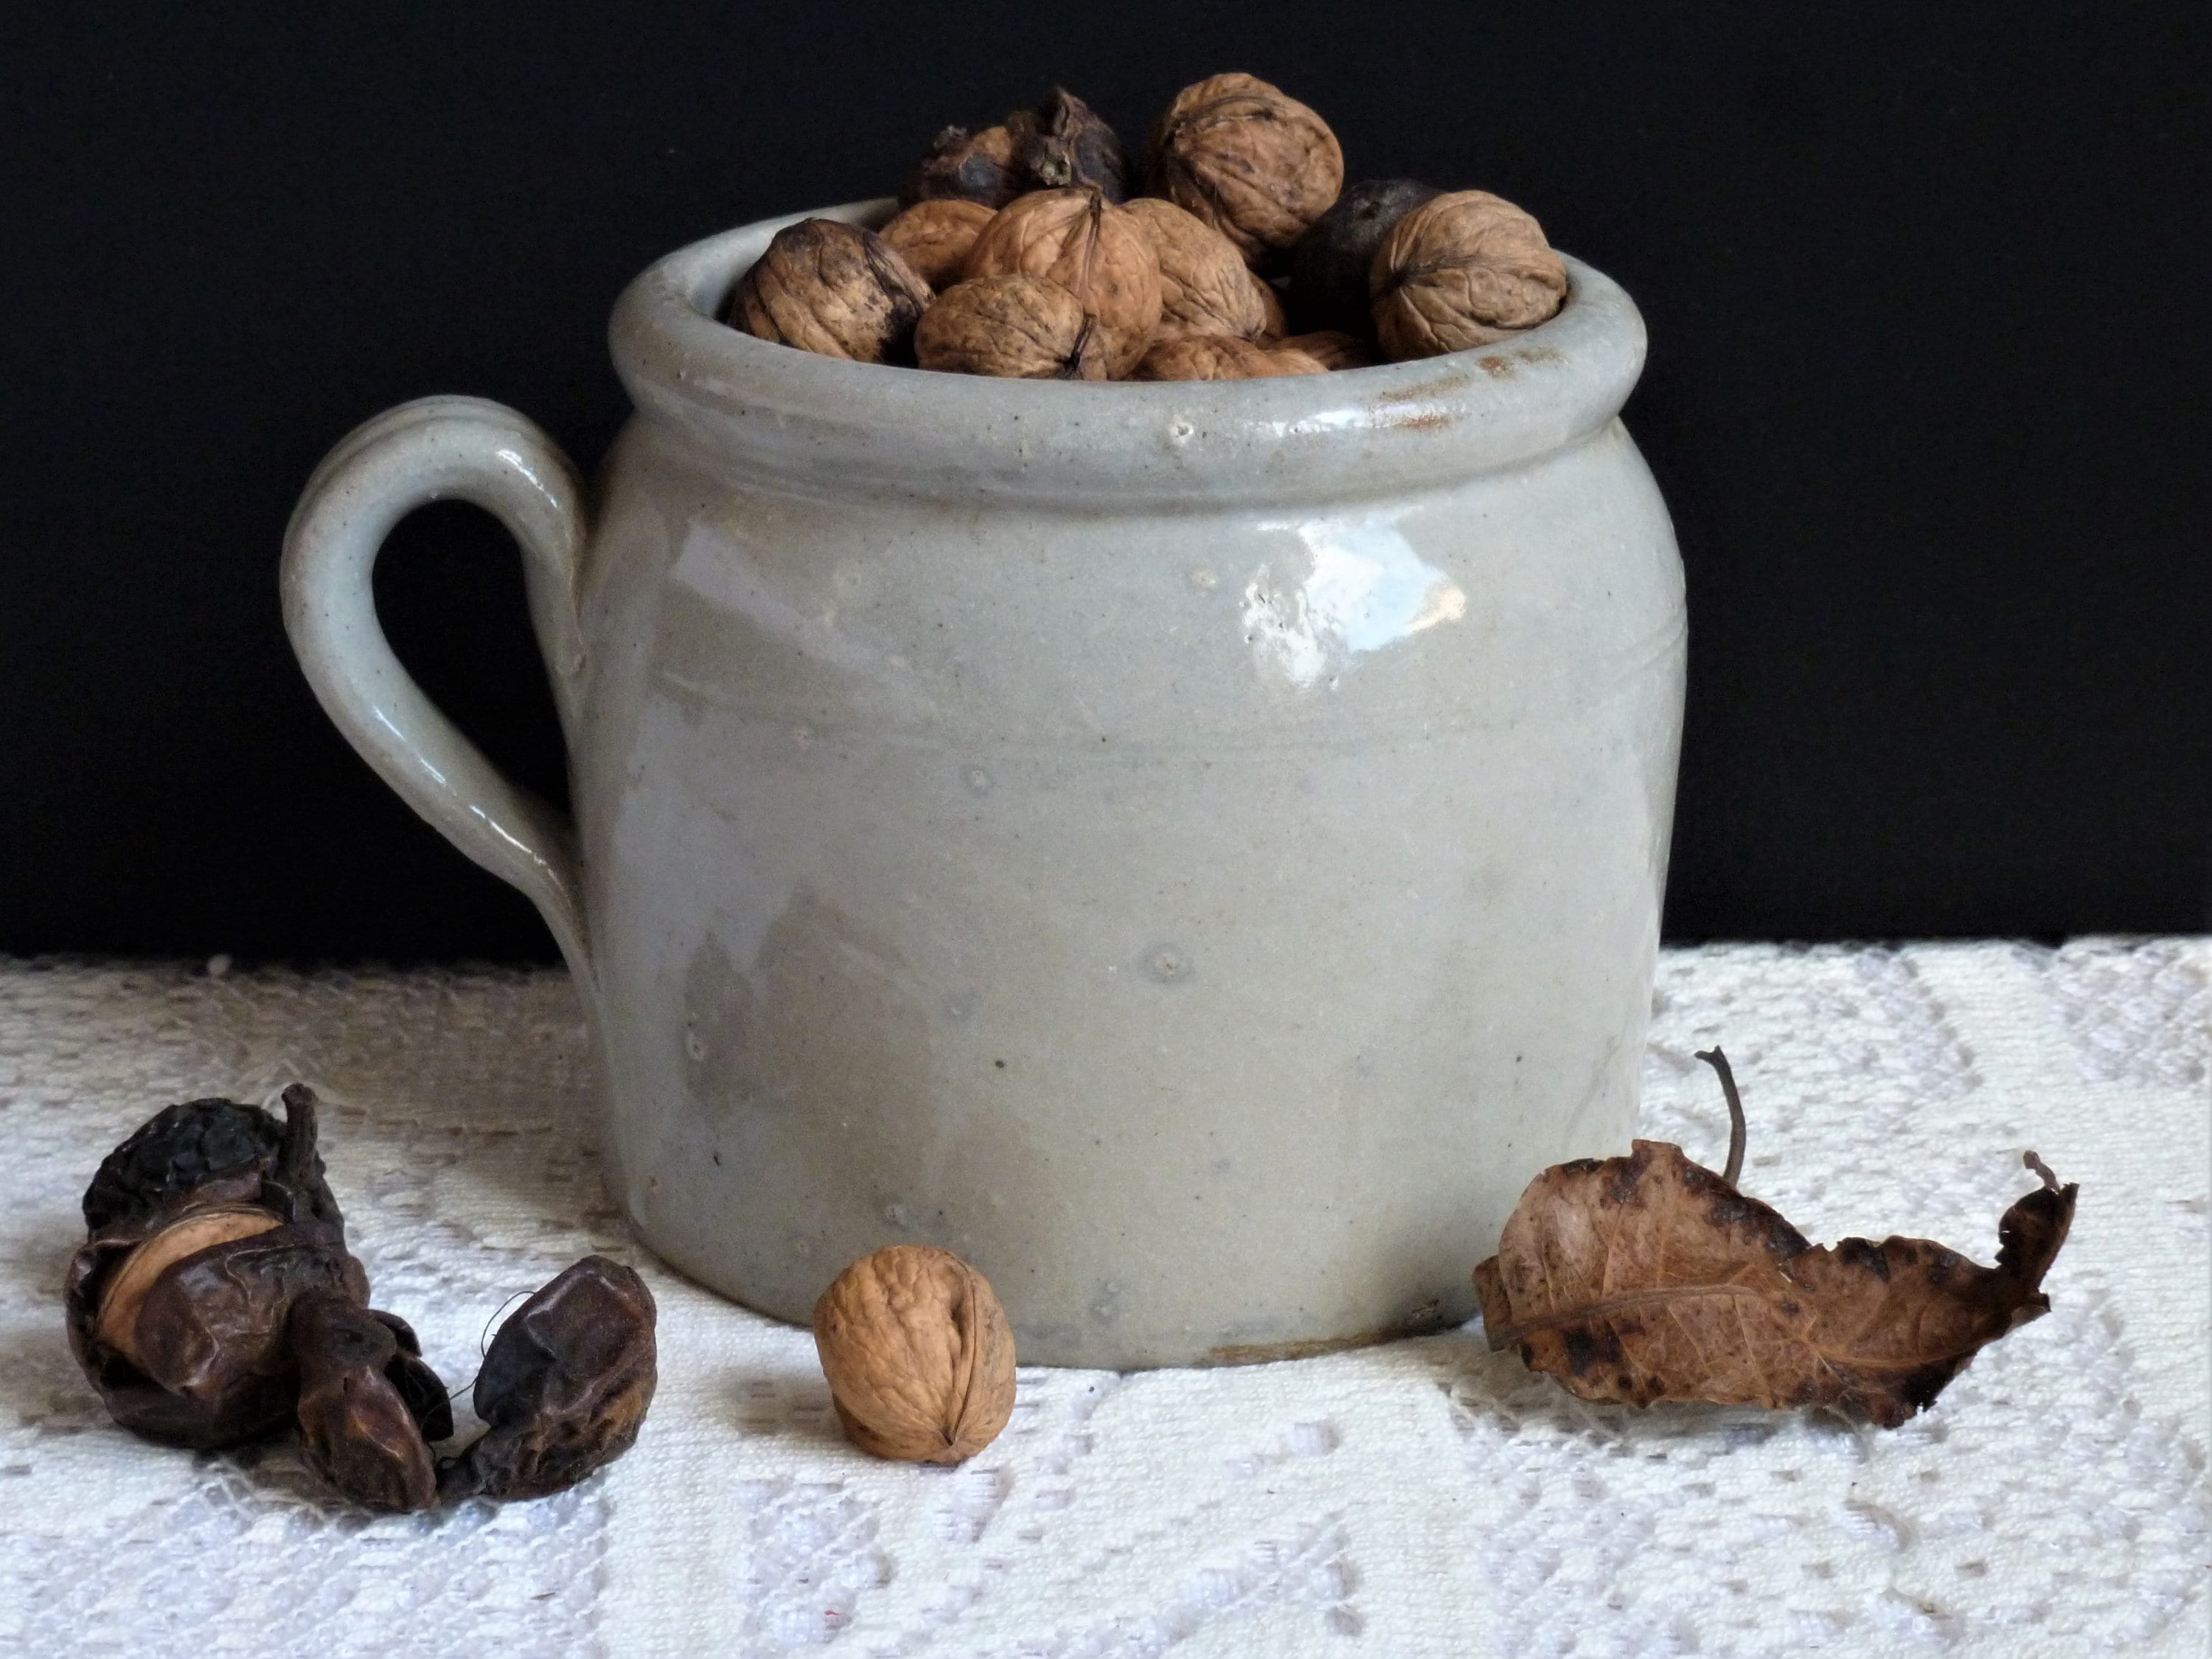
(564,1386)
(1090,247)
(918,1354)
(1206,287)
(1062,143)
(368,1406)
(1248,160)
(832,289)
(934,237)
(1013,327)
(1463,270)
(967,167)
(1330,264)
(176,1314)
(178,1149)
(1330,348)
(1223,357)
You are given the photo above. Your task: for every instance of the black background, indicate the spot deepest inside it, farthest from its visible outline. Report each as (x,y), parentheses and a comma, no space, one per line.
(1926,289)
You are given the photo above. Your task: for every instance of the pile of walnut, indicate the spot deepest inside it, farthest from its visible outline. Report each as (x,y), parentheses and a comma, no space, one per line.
(215,1302)
(1018,252)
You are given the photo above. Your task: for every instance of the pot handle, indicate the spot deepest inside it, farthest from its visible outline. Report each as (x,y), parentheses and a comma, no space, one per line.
(431,450)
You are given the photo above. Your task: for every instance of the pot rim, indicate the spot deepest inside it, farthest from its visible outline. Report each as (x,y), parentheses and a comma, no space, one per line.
(800,422)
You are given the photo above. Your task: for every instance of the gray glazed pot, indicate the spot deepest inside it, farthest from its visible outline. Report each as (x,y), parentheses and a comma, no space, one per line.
(1194,850)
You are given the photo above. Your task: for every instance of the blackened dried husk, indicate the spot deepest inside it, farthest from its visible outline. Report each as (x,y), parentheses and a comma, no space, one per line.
(214,1368)
(418,1385)
(358,1429)
(1062,143)
(969,166)
(564,1386)
(178,1149)
(1329,264)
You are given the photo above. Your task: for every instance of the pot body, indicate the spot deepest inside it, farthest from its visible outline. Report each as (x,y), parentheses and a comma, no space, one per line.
(1203,910)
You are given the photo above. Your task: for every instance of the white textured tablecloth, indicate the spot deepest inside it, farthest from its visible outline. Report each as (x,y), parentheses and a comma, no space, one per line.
(1426,1498)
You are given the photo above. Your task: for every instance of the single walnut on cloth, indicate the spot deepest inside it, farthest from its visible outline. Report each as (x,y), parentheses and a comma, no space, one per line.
(1013,326)
(831,287)
(919,1358)
(1222,357)
(1090,247)
(934,237)
(1247,159)
(1205,287)
(1463,270)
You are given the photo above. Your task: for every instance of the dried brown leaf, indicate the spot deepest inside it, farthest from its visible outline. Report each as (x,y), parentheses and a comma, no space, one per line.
(1649,1278)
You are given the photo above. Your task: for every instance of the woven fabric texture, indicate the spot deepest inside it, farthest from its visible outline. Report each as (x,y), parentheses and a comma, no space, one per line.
(1422,1497)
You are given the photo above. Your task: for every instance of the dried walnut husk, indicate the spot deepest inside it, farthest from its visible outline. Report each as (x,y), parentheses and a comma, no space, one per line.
(1013,327)
(918,1356)
(1463,270)
(1222,357)
(831,287)
(1330,264)
(1062,143)
(1205,287)
(177,1312)
(1094,249)
(565,1385)
(967,166)
(1331,348)
(1256,164)
(934,237)
(368,1406)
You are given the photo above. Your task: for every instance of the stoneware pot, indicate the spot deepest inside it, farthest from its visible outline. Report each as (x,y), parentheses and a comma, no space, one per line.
(1193,850)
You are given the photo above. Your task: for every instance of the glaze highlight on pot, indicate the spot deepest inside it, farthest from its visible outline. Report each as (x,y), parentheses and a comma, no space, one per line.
(1193,850)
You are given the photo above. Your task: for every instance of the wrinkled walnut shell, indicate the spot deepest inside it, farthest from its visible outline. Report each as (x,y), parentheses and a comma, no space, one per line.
(564,1386)
(967,166)
(1062,143)
(934,237)
(1013,327)
(1205,287)
(1222,357)
(834,289)
(1464,270)
(919,1358)
(1094,249)
(1331,348)
(1248,160)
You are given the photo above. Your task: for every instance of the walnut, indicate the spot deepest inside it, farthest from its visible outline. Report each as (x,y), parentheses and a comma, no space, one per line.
(831,287)
(1015,326)
(968,166)
(1222,357)
(1331,348)
(1256,164)
(1094,249)
(920,1359)
(1463,270)
(1205,287)
(934,237)
(1329,266)
(1062,141)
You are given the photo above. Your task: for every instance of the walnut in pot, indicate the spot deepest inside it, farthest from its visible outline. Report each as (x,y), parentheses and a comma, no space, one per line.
(1329,266)
(934,237)
(918,1356)
(1013,326)
(831,287)
(1465,270)
(1247,159)
(1222,357)
(1205,287)
(968,166)
(1331,348)
(1090,247)
(1062,143)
